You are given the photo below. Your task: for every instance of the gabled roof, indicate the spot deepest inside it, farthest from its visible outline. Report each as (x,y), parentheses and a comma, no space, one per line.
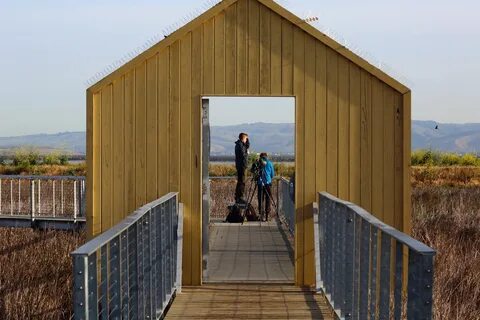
(275,7)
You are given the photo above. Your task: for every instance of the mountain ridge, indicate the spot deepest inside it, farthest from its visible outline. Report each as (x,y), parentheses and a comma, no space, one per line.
(267,137)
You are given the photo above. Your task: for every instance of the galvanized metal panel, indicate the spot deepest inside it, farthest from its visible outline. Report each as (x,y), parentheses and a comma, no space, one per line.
(351,278)
(129,266)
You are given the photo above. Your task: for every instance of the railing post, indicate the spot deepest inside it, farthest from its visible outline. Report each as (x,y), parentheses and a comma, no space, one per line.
(420,284)
(75,199)
(140,266)
(397,295)
(357,220)
(336,256)
(124,274)
(53,197)
(92,287)
(179,248)
(373,274)
(103,301)
(340,284)
(349,262)
(133,272)
(0,196)
(32,199)
(114,279)
(62,201)
(364,269)
(19,197)
(328,245)
(278,197)
(384,304)
(80,292)
(39,196)
(11,197)
(318,278)
(147,257)
(82,198)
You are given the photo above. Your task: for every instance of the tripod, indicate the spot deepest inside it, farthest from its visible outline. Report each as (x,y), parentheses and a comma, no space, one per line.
(251,194)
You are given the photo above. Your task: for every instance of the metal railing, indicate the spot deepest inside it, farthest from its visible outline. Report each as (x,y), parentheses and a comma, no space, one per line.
(360,265)
(42,196)
(132,270)
(286,203)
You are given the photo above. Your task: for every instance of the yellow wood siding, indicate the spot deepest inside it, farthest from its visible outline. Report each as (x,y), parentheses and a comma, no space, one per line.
(144,123)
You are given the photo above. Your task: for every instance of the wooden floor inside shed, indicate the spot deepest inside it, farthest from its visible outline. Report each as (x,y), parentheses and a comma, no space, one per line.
(255,252)
(249,301)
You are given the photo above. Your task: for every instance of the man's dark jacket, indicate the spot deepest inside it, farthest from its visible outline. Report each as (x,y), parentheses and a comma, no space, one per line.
(241,155)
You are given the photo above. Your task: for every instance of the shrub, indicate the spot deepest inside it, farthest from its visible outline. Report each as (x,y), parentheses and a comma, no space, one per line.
(436,158)
(25,158)
(470,160)
(63,159)
(51,159)
(425,158)
(450,159)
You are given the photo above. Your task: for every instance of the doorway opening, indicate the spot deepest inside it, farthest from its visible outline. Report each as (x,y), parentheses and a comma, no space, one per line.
(260,249)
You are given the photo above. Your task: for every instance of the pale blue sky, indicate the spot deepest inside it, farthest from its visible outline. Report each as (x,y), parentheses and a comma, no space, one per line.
(50,48)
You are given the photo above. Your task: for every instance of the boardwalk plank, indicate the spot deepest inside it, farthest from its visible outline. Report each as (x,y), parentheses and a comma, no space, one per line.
(231,301)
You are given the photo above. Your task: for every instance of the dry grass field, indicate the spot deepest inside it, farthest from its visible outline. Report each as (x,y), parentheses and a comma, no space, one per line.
(448,219)
(45,170)
(36,273)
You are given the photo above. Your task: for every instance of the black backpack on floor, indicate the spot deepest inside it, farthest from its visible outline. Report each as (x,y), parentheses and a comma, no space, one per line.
(235,214)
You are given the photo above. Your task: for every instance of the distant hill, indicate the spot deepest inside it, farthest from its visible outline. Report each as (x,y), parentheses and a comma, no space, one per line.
(70,142)
(271,138)
(451,137)
(264,137)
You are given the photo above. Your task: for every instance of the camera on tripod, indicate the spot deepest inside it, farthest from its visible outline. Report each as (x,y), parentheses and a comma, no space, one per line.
(256,169)
(261,181)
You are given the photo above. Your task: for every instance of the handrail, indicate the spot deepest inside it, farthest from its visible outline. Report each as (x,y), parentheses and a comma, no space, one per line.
(356,266)
(32,177)
(132,270)
(104,238)
(412,243)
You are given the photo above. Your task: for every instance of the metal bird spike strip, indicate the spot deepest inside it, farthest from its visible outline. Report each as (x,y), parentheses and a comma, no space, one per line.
(311,19)
(165,32)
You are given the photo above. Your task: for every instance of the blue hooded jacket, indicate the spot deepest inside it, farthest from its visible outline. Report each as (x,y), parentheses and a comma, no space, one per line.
(267,173)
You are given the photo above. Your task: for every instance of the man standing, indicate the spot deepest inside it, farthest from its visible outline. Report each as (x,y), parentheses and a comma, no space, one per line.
(241,162)
(265,178)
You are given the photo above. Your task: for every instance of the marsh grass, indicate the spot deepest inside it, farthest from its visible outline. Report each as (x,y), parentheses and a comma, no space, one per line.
(36,273)
(448,219)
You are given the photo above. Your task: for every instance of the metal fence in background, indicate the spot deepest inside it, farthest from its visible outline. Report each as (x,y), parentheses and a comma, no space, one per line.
(25,200)
(52,196)
(286,197)
(132,270)
(360,265)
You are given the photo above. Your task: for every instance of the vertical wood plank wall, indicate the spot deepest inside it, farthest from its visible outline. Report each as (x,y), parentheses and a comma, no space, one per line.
(144,134)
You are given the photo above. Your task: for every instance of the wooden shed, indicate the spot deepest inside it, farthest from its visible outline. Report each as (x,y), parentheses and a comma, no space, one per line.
(144,122)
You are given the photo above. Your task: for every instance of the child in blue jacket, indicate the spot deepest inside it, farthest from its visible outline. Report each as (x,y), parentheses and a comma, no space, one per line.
(265,178)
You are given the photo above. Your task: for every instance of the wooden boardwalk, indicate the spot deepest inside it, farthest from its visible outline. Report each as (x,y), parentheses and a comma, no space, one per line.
(250,276)
(249,301)
(253,252)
